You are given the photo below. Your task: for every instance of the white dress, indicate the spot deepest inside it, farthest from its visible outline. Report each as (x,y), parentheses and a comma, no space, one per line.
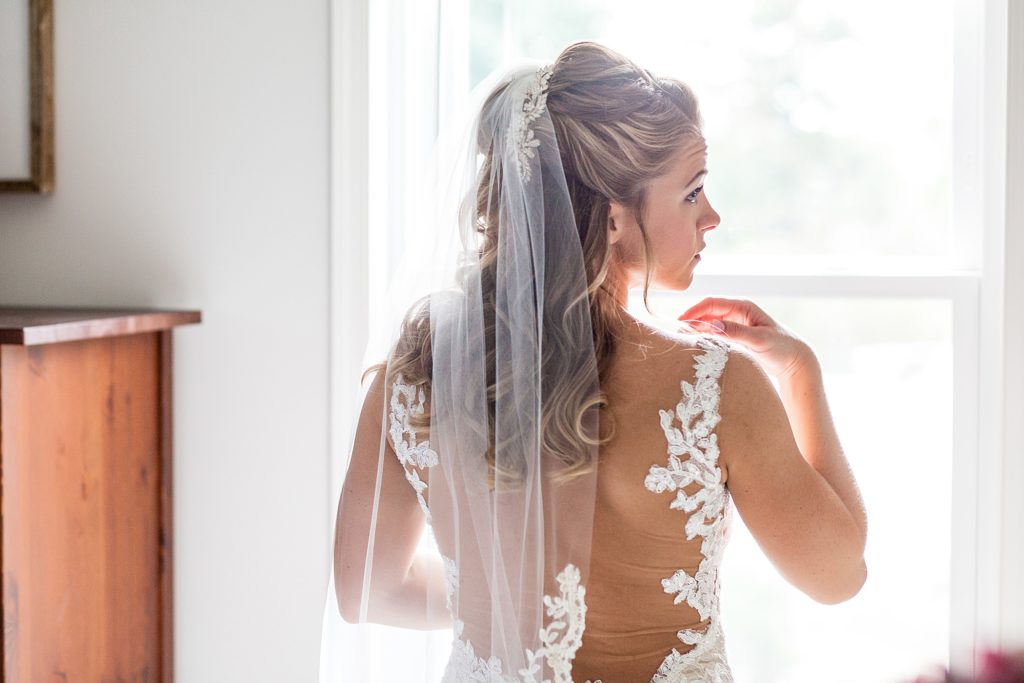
(692,456)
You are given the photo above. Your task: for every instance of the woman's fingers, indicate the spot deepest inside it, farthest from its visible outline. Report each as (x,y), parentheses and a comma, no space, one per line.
(748,335)
(738,319)
(720,308)
(743,321)
(703,324)
(713,307)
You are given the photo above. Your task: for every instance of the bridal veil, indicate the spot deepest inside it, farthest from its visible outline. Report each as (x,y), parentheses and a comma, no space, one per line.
(463,535)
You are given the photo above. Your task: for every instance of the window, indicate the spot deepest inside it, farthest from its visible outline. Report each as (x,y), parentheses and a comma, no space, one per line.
(843,153)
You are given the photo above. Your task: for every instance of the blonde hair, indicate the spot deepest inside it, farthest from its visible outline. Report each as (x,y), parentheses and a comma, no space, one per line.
(618,127)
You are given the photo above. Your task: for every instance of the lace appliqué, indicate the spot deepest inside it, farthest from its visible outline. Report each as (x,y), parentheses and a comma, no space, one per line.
(520,127)
(560,640)
(464,665)
(562,636)
(451,575)
(697,414)
(407,400)
(706,663)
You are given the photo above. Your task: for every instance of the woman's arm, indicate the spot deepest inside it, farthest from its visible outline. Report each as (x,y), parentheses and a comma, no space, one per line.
(417,602)
(792,509)
(406,588)
(803,395)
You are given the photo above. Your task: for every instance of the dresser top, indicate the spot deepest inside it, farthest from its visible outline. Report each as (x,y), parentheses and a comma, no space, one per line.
(30,325)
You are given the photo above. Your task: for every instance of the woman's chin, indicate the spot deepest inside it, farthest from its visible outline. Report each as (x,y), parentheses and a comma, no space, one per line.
(679,284)
(669,282)
(683,280)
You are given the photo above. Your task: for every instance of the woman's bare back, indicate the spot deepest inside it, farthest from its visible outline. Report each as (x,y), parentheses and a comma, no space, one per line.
(652,594)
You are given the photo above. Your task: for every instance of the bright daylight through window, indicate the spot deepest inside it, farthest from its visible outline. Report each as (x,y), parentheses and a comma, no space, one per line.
(837,218)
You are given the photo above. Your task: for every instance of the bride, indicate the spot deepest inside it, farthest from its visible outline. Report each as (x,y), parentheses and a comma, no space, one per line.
(546,475)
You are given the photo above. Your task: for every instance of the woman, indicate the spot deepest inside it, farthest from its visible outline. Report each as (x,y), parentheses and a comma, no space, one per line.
(575,467)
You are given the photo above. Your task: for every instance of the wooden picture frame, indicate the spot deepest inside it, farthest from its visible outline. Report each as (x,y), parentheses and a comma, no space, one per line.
(26,164)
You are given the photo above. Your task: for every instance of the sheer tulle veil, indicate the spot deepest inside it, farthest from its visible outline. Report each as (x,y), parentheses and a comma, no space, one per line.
(462,542)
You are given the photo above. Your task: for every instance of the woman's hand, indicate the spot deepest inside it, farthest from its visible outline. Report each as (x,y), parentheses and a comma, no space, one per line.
(781,352)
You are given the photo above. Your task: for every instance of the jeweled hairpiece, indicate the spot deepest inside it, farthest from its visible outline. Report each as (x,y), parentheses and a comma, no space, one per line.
(521,124)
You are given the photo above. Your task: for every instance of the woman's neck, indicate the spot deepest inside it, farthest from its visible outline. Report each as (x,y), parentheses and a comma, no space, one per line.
(618,286)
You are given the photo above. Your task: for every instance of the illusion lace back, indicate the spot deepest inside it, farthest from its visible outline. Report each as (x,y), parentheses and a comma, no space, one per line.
(651,602)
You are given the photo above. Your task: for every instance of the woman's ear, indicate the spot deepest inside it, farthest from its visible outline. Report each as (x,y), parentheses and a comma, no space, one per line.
(617,215)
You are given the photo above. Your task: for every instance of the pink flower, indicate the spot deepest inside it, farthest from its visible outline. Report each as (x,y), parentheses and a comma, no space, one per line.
(995,666)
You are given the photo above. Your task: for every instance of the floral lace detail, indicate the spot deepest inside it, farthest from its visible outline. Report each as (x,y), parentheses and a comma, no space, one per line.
(407,400)
(569,610)
(451,575)
(559,641)
(697,415)
(520,130)
(706,663)
(464,665)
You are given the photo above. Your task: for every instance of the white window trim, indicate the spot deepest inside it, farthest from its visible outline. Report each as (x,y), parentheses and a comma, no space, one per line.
(348,272)
(987,600)
(1005,245)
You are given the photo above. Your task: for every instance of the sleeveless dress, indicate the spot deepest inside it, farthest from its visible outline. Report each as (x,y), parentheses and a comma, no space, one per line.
(692,457)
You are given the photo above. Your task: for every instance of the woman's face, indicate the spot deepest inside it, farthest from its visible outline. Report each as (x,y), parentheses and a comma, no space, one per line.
(676,216)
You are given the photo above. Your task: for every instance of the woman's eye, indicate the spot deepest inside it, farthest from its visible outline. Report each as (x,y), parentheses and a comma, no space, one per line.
(692,197)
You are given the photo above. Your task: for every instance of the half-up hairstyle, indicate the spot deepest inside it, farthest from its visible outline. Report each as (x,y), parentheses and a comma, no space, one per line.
(617,127)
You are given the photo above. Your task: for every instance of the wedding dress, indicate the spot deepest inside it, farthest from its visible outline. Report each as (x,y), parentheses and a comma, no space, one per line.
(692,456)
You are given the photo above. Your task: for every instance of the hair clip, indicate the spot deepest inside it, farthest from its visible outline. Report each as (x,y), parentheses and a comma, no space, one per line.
(522,136)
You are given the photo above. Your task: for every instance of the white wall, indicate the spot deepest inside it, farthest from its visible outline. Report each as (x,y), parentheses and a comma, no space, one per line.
(192,172)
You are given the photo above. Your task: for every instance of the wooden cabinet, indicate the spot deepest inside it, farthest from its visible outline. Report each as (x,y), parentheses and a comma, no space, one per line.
(85,494)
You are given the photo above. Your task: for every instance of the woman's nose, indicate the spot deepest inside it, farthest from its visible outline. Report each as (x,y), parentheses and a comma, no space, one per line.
(711,218)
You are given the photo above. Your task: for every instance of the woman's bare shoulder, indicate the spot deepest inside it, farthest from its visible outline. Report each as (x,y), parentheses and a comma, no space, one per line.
(657,345)
(652,361)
